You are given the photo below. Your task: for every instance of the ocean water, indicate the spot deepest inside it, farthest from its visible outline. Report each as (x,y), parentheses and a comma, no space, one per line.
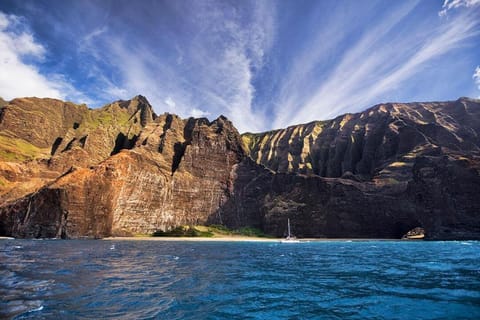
(87,279)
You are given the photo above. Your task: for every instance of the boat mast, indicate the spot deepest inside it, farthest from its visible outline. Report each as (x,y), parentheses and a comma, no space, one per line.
(288,227)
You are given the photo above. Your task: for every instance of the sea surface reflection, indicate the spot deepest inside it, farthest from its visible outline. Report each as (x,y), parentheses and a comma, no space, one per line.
(87,279)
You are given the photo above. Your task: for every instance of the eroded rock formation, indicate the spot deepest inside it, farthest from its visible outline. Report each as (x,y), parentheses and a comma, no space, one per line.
(69,171)
(391,167)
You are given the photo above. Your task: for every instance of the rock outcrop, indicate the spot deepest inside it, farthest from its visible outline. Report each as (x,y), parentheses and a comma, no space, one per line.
(169,173)
(40,139)
(359,146)
(2,102)
(414,234)
(391,168)
(69,171)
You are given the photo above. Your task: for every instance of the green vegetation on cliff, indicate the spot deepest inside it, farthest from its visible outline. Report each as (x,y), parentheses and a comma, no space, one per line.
(14,149)
(244,231)
(183,231)
(105,117)
(336,178)
(209,231)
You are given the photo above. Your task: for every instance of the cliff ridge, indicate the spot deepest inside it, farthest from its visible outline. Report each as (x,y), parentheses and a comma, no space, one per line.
(69,171)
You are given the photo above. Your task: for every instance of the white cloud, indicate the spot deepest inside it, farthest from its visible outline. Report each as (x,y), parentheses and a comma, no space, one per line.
(210,69)
(236,48)
(116,92)
(95,33)
(105,88)
(20,79)
(87,43)
(25,45)
(3,21)
(374,66)
(476,76)
(169,102)
(197,113)
(455,4)
(363,62)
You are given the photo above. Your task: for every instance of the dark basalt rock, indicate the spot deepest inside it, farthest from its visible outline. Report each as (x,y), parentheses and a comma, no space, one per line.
(123,170)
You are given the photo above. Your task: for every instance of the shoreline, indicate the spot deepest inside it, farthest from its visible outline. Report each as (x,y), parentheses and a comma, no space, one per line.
(241,239)
(226,239)
(194,239)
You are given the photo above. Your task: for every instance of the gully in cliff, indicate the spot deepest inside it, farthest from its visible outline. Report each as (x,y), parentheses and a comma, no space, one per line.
(136,172)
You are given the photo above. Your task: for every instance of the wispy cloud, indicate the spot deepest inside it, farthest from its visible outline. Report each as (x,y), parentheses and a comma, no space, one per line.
(19,78)
(455,4)
(229,46)
(211,69)
(169,102)
(94,33)
(263,64)
(349,75)
(376,64)
(476,76)
(197,113)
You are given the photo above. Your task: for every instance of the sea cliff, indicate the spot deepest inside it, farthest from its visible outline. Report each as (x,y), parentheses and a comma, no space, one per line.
(69,171)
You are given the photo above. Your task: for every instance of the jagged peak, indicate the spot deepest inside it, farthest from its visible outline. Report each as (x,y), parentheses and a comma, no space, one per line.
(377,107)
(222,118)
(224,122)
(201,121)
(141,99)
(139,104)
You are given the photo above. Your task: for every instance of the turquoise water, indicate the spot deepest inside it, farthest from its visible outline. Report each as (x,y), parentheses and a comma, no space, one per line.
(56,279)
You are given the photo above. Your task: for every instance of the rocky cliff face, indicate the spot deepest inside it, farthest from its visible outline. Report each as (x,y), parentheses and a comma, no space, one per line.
(361,145)
(156,173)
(385,171)
(42,138)
(68,171)
(2,102)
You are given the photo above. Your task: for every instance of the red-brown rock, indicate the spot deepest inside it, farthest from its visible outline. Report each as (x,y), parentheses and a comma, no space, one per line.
(122,170)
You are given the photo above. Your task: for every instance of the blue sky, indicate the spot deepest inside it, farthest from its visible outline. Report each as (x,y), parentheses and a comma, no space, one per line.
(263,64)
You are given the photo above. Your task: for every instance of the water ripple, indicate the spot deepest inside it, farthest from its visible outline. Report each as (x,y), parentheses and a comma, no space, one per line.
(179,280)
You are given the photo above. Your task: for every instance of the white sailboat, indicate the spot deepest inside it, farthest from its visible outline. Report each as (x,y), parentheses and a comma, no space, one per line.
(290,238)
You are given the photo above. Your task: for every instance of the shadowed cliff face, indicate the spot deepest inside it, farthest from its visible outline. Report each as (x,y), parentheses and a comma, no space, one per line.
(387,136)
(385,170)
(122,170)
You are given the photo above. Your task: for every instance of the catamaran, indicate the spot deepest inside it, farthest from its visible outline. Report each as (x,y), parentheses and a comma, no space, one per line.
(290,238)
